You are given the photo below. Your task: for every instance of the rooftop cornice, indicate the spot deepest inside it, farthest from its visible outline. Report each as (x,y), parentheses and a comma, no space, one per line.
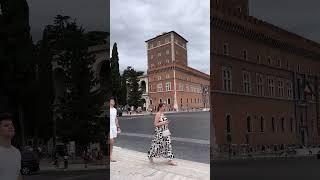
(255,29)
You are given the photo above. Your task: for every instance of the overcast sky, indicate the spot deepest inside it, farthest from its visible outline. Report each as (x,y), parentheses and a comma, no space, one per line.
(135,21)
(91,14)
(300,17)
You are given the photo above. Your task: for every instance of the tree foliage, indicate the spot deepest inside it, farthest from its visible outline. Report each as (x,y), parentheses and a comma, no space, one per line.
(115,72)
(133,88)
(78,110)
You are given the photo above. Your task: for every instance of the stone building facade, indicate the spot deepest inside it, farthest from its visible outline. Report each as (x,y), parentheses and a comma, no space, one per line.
(264,82)
(170,79)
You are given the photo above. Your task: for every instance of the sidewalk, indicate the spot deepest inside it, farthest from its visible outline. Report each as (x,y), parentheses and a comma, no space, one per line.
(302,153)
(132,165)
(46,166)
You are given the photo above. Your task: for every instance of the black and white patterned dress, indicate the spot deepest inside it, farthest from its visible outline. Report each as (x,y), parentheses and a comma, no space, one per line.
(161,146)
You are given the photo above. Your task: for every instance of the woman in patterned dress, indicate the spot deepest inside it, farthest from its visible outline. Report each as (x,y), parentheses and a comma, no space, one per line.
(161,146)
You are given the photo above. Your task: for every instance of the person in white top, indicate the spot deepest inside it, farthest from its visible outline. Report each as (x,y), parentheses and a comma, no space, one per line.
(10,157)
(114,126)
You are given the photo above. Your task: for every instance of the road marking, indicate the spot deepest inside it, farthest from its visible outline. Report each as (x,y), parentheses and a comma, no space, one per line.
(187,140)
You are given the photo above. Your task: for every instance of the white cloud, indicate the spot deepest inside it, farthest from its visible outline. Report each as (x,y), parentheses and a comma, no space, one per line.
(134,21)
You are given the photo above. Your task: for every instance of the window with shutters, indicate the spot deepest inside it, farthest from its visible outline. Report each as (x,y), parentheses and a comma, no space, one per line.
(289,84)
(260,86)
(280,88)
(245,54)
(168,86)
(159,87)
(271,88)
(246,82)
(227,79)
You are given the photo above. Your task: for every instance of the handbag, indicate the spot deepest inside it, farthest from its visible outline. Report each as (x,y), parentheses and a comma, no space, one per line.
(166,133)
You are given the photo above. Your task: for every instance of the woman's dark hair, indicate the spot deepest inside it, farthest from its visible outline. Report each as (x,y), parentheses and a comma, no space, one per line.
(160,106)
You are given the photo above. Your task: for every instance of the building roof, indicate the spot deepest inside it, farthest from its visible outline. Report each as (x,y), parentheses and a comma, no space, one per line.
(166,34)
(258,25)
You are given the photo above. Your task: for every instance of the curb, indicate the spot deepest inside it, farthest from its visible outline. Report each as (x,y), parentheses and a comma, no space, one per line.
(68,170)
(307,157)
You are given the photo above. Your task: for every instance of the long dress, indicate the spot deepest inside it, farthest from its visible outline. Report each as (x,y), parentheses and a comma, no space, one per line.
(161,146)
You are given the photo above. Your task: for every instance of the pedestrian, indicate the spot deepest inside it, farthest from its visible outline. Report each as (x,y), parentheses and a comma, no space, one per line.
(10,157)
(56,160)
(114,127)
(161,143)
(85,156)
(65,161)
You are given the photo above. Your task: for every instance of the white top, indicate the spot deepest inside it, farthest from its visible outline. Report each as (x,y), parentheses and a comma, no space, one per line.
(113,116)
(10,165)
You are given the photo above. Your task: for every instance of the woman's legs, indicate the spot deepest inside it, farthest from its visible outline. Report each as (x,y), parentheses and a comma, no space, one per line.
(170,162)
(151,160)
(111,148)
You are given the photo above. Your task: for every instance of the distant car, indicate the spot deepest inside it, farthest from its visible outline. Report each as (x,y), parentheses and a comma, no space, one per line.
(29,163)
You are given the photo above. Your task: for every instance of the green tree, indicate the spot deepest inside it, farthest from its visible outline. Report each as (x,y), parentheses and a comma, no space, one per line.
(43,89)
(123,91)
(133,88)
(17,64)
(78,109)
(115,73)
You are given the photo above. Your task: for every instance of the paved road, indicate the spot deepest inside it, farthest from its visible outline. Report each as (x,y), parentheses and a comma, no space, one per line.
(190,133)
(75,175)
(267,170)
